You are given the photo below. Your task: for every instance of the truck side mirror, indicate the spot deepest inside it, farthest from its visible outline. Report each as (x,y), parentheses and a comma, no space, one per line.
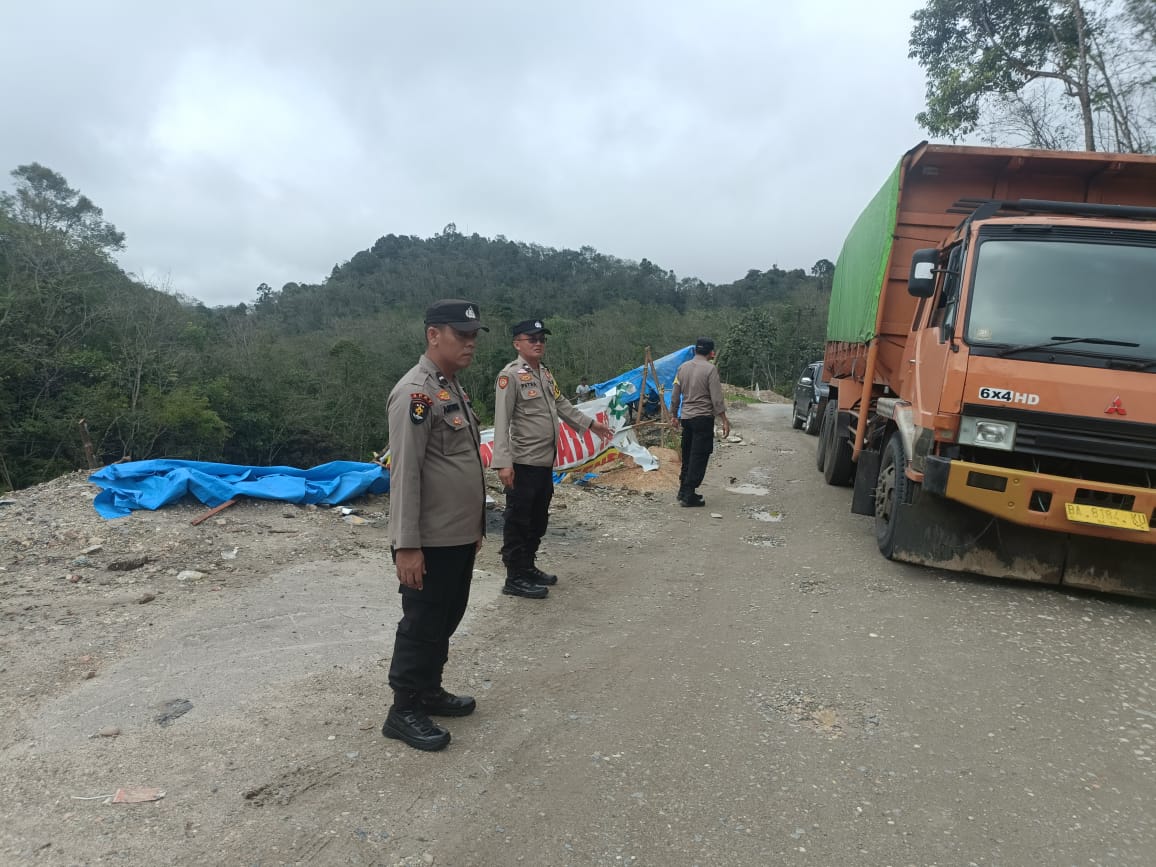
(921,282)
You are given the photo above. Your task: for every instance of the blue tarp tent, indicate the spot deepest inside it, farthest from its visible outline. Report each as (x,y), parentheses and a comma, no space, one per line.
(152,484)
(666,367)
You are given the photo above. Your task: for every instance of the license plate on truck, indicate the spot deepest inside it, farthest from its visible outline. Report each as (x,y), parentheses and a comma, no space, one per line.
(1102,517)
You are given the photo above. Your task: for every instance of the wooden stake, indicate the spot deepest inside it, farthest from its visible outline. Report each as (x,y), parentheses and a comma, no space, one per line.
(642,390)
(212,512)
(657,386)
(86,438)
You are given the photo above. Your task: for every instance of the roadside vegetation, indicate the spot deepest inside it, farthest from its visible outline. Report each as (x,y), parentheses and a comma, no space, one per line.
(299,375)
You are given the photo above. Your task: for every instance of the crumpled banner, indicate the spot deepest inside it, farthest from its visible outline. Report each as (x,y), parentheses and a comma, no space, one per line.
(153,484)
(584,452)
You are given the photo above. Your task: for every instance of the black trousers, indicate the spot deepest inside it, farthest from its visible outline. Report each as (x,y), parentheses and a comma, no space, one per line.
(527,515)
(697,445)
(428,618)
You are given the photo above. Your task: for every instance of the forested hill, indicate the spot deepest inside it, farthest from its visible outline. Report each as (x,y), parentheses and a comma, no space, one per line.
(299,375)
(513,279)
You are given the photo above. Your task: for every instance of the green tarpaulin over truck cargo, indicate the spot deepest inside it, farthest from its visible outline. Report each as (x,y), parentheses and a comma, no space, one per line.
(862,268)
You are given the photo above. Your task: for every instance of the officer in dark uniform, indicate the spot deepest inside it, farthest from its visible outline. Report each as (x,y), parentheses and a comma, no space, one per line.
(437,504)
(527,405)
(699,390)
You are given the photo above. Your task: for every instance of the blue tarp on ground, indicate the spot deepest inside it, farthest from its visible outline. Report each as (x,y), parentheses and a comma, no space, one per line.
(152,484)
(666,367)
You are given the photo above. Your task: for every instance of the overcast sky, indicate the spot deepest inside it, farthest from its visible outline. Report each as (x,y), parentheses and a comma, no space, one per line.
(239,142)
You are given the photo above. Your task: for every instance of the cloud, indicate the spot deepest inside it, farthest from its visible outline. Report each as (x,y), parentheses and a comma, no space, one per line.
(266,142)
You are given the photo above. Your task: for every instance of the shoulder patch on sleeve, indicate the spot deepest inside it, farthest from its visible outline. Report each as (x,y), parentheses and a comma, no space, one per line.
(503,381)
(419,404)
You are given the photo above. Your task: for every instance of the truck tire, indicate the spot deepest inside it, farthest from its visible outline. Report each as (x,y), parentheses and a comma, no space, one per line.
(838,468)
(892,490)
(828,420)
(811,422)
(796,422)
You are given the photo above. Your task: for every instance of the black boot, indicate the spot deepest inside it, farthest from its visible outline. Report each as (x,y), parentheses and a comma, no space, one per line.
(442,703)
(414,726)
(519,584)
(539,577)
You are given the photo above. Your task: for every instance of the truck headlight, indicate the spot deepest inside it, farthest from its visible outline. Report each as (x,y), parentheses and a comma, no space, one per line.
(987,433)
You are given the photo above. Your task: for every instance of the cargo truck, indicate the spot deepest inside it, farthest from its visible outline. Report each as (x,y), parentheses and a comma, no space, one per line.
(991,358)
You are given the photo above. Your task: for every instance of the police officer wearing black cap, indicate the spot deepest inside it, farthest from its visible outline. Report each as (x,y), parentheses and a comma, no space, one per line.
(527,406)
(698,387)
(437,504)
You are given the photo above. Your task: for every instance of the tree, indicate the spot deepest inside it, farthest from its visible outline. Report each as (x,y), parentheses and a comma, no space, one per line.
(824,272)
(1143,16)
(746,354)
(49,207)
(1049,67)
(57,281)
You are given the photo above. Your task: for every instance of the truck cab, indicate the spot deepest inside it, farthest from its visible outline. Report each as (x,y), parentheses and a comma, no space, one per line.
(1009,427)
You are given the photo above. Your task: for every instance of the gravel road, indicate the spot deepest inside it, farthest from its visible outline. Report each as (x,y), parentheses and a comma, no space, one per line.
(744,684)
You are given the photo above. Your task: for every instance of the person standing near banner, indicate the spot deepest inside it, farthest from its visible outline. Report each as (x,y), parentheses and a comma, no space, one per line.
(698,385)
(527,406)
(437,502)
(583,392)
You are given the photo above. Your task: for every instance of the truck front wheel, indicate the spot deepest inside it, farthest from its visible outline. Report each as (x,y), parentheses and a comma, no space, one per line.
(891,491)
(838,468)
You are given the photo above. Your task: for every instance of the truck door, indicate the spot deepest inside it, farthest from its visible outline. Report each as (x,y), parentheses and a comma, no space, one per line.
(935,341)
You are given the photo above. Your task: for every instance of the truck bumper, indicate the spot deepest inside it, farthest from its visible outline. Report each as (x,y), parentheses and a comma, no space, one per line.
(1040,501)
(953,524)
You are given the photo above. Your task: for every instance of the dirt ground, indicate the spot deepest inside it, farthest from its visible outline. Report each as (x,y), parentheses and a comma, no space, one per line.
(745,684)
(119,637)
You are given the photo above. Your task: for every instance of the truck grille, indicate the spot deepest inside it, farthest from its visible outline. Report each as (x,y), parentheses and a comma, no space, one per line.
(1073,438)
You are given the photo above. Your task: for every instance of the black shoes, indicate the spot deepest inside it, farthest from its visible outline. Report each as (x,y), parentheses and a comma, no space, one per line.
(539,577)
(529,583)
(416,729)
(442,703)
(413,724)
(691,500)
(524,586)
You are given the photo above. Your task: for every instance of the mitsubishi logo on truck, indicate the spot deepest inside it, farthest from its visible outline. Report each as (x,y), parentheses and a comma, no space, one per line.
(1116,407)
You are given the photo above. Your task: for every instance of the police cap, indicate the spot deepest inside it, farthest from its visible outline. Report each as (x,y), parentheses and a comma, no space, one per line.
(456,313)
(530,326)
(704,346)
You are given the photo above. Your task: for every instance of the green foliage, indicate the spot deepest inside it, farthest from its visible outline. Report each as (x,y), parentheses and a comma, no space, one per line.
(300,376)
(767,346)
(974,49)
(1049,72)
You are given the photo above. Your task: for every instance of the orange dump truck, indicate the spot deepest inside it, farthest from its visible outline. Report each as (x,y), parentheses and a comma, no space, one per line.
(991,355)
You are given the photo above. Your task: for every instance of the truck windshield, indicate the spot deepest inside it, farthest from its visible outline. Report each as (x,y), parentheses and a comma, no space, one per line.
(1027,292)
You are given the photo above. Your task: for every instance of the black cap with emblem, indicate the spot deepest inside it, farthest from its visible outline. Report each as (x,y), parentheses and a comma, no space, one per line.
(530,326)
(456,313)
